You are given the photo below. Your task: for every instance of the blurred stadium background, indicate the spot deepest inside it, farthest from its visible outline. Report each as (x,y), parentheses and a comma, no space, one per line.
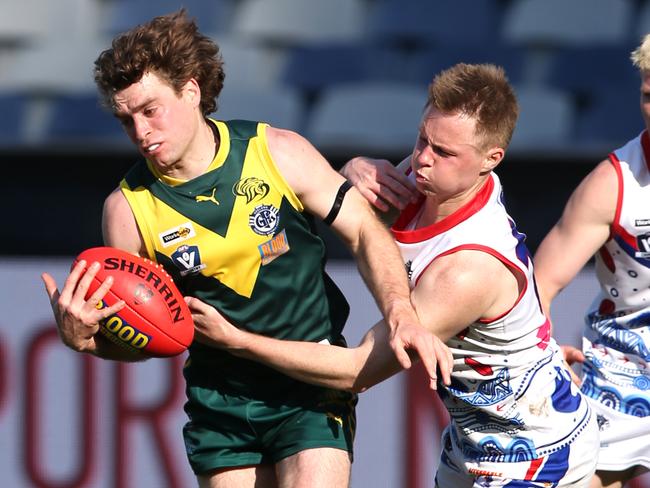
(351,75)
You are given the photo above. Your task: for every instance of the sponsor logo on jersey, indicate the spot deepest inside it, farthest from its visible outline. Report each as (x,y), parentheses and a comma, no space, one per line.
(251,188)
(188,260)
(485,472)
(208,198)
(642,222)
(180,233)
(643,243)
(264,220)
(273,248)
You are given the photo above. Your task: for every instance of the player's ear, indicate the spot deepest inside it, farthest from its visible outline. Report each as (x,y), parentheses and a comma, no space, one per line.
(493,157)
(192,91)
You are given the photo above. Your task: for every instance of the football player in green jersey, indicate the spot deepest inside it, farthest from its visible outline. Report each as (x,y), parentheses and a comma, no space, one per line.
(227,207)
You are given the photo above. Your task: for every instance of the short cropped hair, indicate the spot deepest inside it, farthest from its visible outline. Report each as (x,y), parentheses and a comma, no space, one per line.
(480,91)
(170,46)
(641,55)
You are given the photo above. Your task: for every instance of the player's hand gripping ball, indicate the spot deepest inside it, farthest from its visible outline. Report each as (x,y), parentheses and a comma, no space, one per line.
(155,322)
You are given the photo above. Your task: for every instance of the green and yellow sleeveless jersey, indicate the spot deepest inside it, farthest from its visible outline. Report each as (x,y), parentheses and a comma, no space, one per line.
(237,237)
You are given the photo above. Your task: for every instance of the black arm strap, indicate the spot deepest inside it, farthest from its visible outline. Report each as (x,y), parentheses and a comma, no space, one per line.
(336,207)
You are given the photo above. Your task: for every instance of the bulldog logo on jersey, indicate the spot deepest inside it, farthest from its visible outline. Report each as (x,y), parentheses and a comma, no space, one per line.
(188,260)
(252,188)
(264,220)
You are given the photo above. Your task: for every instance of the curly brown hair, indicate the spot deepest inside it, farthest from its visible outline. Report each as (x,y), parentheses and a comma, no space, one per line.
(170,46)
(481,91)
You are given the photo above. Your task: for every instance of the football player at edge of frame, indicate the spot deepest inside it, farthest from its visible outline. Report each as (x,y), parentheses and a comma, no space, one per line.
(227,208)
(607,217)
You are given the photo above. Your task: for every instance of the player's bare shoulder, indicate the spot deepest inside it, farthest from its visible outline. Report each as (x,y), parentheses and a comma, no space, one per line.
(595,198)
(119,227)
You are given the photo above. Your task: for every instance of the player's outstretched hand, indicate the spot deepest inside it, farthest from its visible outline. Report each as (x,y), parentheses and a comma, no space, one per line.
(380,183)
(572,355)
(78,318)
(212,328)
(409,339)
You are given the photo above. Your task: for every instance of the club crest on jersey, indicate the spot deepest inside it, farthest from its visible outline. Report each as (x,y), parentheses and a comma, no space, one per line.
(177,234)
(251,188)
(264,220)
(188,260)
(273,248)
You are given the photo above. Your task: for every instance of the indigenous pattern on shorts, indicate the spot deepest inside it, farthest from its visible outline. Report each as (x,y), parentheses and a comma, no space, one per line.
(617,333)
(511,399)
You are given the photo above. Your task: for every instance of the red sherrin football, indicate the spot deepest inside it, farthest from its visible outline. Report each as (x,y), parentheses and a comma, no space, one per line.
(155,321)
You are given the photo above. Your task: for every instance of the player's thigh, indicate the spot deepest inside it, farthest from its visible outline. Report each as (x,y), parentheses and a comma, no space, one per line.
(260,476)
(322,467)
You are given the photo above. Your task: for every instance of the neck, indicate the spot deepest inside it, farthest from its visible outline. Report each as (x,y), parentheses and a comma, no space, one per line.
(437,208)
(199,154)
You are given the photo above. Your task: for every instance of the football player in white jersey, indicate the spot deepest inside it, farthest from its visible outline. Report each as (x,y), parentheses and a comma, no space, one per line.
(608,217)
(517,419)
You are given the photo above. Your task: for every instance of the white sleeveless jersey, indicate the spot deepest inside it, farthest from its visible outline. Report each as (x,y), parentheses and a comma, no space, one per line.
(511,399)
(617,333)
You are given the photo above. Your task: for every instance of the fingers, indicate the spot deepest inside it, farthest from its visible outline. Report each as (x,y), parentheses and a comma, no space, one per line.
(436,358)
(96,299)
(380,182)
(400,353)
(71,282)
(50,287)
(84,282)
(572,354)
(374,199)
(391,187)
(194,303)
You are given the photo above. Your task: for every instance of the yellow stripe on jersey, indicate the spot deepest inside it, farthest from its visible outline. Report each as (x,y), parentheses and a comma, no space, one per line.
(236,266)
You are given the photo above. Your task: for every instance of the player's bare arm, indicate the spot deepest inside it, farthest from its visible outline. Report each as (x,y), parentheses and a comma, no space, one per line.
(353,369)
(582,229)
(458,289)
(316,185)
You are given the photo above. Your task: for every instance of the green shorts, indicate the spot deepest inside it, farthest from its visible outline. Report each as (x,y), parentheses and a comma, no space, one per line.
(231,430)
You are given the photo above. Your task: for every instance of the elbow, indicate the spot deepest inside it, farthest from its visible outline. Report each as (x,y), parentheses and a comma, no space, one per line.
(358,388)
(360,385)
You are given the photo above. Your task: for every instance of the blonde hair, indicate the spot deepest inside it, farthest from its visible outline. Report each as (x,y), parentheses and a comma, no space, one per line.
(641,55)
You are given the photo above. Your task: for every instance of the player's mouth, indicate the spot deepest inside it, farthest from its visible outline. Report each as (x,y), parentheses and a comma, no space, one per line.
(151,149)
